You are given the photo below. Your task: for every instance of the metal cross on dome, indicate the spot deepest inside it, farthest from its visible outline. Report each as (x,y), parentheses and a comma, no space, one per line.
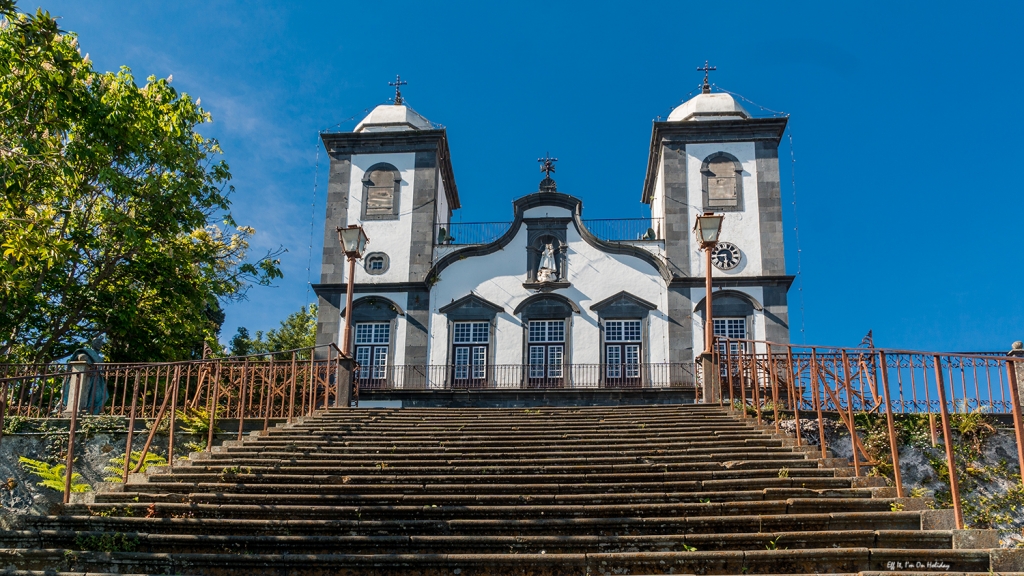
(547,165)
(706,88)
(398,83)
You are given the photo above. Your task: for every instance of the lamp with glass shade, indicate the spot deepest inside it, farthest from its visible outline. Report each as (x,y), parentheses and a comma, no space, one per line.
(353,244)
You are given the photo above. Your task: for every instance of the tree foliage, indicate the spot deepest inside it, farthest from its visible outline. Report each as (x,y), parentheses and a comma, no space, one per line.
(298,330)
(114,218)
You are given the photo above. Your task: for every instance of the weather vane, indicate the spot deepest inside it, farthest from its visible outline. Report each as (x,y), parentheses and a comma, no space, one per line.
(547,166)
(398,83)
(706,88)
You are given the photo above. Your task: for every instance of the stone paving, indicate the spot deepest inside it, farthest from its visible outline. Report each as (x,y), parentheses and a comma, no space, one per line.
(674,489)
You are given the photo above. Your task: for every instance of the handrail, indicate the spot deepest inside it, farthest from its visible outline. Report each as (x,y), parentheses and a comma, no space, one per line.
(858,380)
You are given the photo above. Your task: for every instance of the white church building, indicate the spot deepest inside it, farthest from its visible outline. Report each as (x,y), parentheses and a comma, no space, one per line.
(551,299)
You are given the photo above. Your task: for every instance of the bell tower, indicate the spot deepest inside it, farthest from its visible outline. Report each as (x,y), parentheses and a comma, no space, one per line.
(393,176)
(711,155)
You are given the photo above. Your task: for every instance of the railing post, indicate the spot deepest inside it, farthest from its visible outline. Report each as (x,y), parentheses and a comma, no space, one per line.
(755,384)
(131,430)
(947,440)
(795,392)
(213,406)
(893,446)
(267,393)
(70,462)
(174,417)
(817,401)
(1018,425)
(291,399)
(241,397)
(3,407)
(849,412)
(728,352)
(773,378)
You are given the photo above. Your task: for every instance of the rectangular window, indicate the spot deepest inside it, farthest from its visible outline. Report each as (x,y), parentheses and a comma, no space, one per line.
(372,341)
(546,352)
(622,331)
(732,328)
(547,331)
(622,352)
(469,342)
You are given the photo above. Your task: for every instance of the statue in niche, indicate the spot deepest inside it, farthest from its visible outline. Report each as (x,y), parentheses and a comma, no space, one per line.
(548,269)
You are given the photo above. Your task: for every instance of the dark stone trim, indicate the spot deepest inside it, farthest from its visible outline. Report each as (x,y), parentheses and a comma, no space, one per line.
(710,131)
(702,305)
(537,297)
(398,142)
(366,263)
(371,300)
(342,288)
(471,298)
(546,286)
(734,282)
(574,205)
(597,307)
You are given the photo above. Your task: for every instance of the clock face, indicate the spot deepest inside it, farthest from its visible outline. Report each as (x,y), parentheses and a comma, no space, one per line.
(726,256)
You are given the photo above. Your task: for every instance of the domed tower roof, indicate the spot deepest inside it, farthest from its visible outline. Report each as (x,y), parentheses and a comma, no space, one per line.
(393,118)
(707,106)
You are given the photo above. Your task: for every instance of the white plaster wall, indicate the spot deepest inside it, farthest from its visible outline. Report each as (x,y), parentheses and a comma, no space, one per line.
(392,237)
(697,294)
(658,199)
(741,228)
(594,276)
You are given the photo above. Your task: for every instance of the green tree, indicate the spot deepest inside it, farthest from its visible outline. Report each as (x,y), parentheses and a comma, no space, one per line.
(298,330)
(115,215)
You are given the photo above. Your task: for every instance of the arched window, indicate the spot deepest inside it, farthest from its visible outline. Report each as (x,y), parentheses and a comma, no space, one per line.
(382,184)
(722,176)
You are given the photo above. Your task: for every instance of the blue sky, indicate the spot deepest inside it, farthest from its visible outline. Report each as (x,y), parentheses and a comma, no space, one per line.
(905,121)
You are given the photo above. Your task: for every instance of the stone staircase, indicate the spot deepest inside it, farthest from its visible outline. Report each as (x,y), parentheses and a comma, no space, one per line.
(687,489)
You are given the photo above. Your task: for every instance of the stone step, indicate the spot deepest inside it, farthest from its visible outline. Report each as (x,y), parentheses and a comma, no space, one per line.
(808,561)
(432,544)
(830,486)
(330,506)
(497,527)
(794,496)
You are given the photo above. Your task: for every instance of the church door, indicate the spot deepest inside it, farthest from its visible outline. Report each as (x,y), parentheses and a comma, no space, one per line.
(547,354)
(622,353)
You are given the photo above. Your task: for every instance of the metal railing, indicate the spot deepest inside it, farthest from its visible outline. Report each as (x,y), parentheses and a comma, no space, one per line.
(524,376)
(607,229)
(465,233)
(624,229)
(765,376)
(287,384)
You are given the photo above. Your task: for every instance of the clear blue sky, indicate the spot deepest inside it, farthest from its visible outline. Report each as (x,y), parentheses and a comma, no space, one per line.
(905,118)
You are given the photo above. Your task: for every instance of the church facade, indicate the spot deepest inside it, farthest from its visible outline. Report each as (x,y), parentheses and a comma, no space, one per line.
(551,299)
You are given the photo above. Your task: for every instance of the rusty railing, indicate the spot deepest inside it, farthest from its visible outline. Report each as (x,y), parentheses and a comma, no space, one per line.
(809,381)
(282,385)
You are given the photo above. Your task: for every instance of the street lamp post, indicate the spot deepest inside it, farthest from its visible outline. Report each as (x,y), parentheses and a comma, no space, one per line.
(353,242)
(708,229)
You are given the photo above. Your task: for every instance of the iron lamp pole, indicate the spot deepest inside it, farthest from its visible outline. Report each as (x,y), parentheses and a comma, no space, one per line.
(353,243)
(708,228)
